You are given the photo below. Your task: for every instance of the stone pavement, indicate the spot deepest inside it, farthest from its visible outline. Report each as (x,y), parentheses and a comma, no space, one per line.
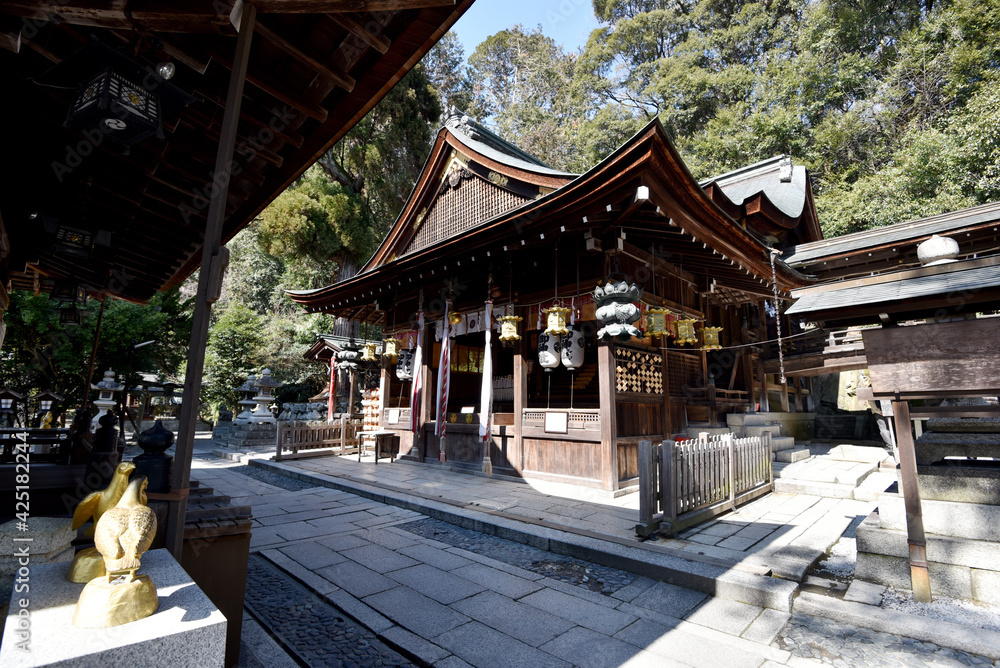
(342,579)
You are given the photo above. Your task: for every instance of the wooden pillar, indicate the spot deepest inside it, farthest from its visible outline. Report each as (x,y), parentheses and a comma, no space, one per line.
(606,373)
(516,458)
(765,404)
(212,259)
(668,427)
(797,384)
(917,542)
(384,385)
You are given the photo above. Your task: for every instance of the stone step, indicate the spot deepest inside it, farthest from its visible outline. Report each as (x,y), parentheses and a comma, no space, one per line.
(736,421)
(876,483)
(757,430)
(694,430)
(829,490)
(857,453)
(792,455)
(782,443)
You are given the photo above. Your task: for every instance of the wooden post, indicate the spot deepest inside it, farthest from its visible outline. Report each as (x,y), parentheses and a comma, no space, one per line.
(797,384)
(730,444)
(606,373)
(668,427)
(647,483)
(668,484)
(919,575)
(516,459)
(210,274)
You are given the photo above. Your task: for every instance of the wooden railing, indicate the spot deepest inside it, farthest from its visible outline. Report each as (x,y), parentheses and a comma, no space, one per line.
(683,483)
(307,439)
(44,445)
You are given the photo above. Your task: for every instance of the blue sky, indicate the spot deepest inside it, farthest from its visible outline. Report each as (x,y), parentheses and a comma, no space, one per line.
(568,22)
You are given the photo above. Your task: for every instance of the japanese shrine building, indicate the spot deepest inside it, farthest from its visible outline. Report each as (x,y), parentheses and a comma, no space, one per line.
(488,221)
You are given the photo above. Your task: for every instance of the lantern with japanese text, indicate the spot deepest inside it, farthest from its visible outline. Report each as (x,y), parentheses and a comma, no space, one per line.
(548,351)
(572,347)
(404,367)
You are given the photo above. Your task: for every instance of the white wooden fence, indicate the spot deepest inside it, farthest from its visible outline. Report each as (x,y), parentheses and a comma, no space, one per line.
(683,483)
(307,439)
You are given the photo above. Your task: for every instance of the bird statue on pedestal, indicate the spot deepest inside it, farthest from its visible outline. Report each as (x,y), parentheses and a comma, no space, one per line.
(126,531)
(122,535)
(98,503)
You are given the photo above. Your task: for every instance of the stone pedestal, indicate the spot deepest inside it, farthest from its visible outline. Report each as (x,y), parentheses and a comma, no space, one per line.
(187,629)
(47,541)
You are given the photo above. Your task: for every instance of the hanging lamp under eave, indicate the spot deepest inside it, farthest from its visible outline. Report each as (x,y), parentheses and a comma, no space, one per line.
(556,320)
(685,332)
(508,328)
(656,322)
(710,338)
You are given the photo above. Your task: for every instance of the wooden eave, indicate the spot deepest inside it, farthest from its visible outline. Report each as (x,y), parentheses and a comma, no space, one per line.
(316,68)
(679,206)
(429,183)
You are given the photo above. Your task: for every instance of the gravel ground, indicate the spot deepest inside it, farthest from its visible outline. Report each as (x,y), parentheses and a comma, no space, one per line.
(316,632)
(583,574)
(272,478)
(955,610)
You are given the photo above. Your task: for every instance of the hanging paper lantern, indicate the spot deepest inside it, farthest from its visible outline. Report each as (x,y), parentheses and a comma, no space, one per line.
(548,351)
(571,348)
(685,332)
(711,338)
(556,322)
(390,349)
(617,310)
(508,328)
(404,368)
(369,355)
(656,322)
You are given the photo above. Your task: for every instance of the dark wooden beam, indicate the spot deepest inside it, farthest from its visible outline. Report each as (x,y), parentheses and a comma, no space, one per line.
(341,78)
(373,39)
(344,6)
(210,272)
(191,16)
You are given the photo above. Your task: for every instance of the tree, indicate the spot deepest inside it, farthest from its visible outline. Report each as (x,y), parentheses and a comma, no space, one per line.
(235,350)
(445,67)
(522,91)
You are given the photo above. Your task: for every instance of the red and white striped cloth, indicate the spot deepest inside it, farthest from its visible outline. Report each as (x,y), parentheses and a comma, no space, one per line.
(417,385)
(444,376)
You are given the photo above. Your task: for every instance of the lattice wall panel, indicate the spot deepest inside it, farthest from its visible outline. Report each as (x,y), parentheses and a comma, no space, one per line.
(461,208)
(638,371)
(684,369)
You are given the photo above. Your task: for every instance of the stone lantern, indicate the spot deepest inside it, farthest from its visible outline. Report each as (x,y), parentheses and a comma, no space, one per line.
(348,356)
(248,389)
(106,399)
(8,406)
(262,414)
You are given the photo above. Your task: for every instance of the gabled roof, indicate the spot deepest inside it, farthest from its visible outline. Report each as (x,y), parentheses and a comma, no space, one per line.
(493,175)
(644,185)
(774,194)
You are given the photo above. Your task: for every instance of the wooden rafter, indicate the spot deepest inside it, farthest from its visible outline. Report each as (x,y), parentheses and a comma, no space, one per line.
(344,6)
(327,70)
(376,40)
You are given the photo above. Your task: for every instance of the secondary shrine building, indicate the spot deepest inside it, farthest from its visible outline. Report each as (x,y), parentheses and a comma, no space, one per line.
(664,286)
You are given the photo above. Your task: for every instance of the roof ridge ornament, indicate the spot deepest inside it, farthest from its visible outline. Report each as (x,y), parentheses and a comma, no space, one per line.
(785,169)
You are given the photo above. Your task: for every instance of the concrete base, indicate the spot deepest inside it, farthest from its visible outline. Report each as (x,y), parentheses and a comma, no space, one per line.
(186,630)
(966,484)
(694,430)
(933,447)
(974,521)
(47,541)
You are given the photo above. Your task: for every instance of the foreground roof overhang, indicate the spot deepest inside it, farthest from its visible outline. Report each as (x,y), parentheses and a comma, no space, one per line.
(316,68)
(646,175)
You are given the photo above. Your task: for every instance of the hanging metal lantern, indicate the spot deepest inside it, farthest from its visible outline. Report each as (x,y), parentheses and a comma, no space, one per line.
(572,347)
(404,368)
(348,356)
(556,320)
(685,332)
(617,310)
(548,351)
(369,354)
(711,338)
(508,328)
(70,315)
(671,324)
(656,322)
(390,349)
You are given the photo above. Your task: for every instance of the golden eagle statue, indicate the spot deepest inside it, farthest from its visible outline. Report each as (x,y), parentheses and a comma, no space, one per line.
(122,535)
(98,503)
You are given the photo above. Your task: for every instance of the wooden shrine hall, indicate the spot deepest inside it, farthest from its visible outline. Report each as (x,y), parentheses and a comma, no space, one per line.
(492,241)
